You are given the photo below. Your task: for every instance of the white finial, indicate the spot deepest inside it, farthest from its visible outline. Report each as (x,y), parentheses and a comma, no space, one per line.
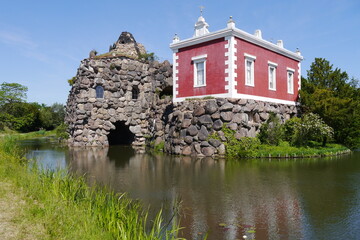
(298,52)
(201,26)
(201,10)
(280,43)
(231,23)
(176,38)
(258,33)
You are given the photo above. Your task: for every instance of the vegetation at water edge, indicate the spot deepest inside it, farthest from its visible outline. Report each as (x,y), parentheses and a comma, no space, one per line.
(68,208)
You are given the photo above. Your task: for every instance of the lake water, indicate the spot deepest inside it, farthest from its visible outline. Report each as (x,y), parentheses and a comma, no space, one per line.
(262,199)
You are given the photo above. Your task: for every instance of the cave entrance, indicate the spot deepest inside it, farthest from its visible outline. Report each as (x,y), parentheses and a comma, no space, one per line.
(167,91)
(121,135)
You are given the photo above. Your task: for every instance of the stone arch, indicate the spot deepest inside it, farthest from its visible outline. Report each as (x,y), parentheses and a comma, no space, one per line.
(121,135)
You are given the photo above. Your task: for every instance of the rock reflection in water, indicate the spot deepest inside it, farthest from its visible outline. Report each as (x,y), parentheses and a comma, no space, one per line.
(225,200)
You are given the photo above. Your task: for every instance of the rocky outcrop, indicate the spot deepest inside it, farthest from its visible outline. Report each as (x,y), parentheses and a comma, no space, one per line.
(126,45)
(113,90)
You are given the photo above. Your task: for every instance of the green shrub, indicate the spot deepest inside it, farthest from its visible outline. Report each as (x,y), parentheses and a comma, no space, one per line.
(160,147)
(311,128)
(248,146)
(61,131)
(243,147)
(272,131)
(148,57)
(290,127)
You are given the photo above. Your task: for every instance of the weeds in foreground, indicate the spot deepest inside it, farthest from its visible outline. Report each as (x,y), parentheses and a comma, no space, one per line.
(69,209)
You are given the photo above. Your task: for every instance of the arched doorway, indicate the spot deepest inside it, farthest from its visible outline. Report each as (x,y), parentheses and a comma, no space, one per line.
(121,135)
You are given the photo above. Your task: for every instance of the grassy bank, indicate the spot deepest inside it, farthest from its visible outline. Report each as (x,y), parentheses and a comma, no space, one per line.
(287,151)
(19,136)
(68,208)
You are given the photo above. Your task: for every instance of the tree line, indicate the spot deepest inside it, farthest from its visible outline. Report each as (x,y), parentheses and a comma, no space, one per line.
(335,97)
(326,91)
(19,115)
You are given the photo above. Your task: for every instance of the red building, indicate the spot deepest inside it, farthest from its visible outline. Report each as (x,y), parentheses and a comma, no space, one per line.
(231,63)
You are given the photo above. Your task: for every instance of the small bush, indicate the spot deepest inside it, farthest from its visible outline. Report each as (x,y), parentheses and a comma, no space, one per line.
(159,147)
(290,127)
(61,131)
(148,57)
(243,147)
(311,128)
(272,131)
(248,146)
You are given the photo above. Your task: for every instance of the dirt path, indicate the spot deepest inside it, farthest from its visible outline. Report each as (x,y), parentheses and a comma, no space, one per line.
(13,225)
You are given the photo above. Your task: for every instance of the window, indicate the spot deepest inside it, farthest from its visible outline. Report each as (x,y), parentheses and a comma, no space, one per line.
(199,70)
(272,75)
(99,92)
(135,92)
(290,80)
(249,70)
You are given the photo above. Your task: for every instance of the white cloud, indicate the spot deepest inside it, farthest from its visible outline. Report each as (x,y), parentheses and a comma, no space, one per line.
(23,43)
(17,39)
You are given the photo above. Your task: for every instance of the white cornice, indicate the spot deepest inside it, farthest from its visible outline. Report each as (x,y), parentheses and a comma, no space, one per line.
(239,34)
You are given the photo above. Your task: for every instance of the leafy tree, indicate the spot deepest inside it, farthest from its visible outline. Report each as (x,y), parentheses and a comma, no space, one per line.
(335,98)
(52,116)
(12,92)
(21,116)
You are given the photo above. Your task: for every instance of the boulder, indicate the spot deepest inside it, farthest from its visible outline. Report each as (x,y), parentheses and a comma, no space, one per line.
(203,133)
(226,116)
(211,107)
(218,124)
(208,151)
(205,119)
(192,130)
(199,111)
(226,107)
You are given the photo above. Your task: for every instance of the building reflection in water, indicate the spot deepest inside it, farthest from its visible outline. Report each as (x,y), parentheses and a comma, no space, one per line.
(227,200)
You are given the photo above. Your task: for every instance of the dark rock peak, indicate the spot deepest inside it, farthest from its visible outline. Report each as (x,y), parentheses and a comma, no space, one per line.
(125,38)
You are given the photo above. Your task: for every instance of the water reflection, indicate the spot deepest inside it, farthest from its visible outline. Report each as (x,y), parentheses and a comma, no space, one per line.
(298,199)
(47,152)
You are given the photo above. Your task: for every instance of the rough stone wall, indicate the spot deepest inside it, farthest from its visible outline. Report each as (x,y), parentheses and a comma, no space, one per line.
(151,116)
(191,122)
(91,119)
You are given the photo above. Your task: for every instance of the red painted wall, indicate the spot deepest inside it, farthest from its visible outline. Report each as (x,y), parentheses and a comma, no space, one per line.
(261,80)
(215,69)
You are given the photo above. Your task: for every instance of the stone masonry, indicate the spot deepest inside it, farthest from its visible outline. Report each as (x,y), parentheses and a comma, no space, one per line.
(121,76)
(191,122)
(135,95)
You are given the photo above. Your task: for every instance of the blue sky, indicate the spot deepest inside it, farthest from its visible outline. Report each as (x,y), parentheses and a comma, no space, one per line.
(42,42)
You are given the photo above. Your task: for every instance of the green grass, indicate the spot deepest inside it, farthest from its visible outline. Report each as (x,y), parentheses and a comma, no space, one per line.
(286,151)
(69,209)
(248,147)
(19,136)
(112,55)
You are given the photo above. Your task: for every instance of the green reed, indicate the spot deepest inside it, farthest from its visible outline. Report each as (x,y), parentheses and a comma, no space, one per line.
(69,208)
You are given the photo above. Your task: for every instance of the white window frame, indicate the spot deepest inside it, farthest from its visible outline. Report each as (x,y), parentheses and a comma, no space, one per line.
(290,80)
(196,60)
(273,66)
(250,58)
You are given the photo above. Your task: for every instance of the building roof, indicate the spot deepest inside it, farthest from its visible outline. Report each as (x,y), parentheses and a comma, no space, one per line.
(231,30)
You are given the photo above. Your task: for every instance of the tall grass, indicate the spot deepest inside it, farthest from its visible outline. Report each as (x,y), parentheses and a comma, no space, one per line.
(70,209)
